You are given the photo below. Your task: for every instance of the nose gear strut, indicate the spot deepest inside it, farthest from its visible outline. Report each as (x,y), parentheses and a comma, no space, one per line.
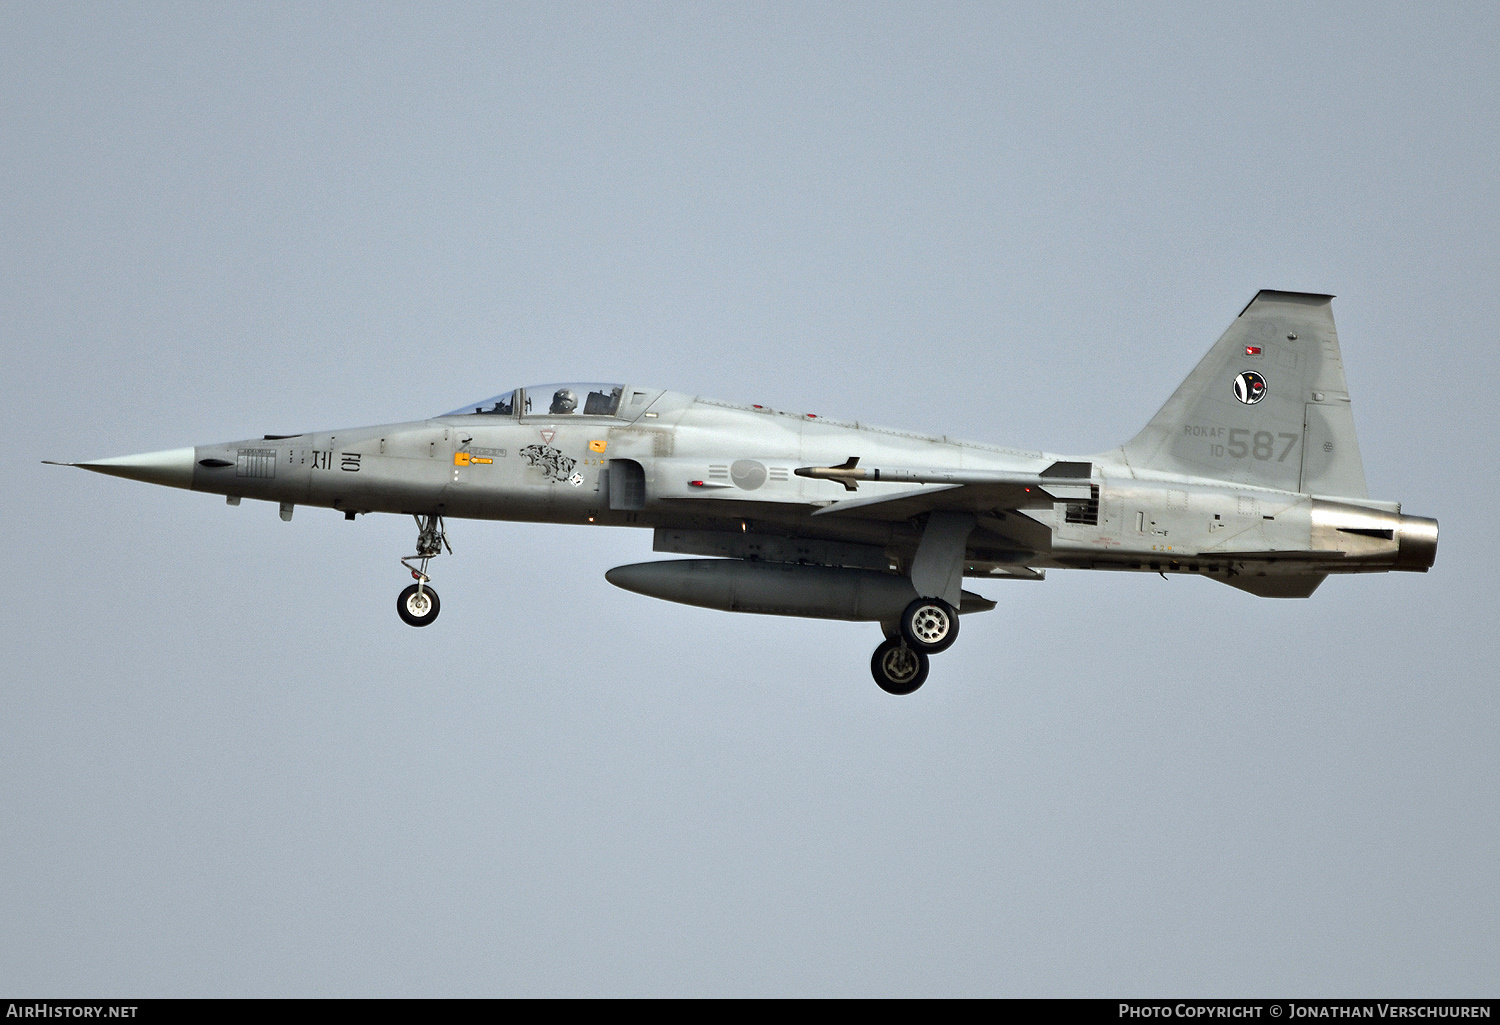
(418,605)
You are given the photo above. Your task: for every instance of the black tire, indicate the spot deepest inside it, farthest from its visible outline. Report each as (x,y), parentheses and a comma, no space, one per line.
(897,668)
(415,616)
(930,625)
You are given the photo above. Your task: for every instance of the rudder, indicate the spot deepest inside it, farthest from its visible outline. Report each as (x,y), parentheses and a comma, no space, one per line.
(1268,406)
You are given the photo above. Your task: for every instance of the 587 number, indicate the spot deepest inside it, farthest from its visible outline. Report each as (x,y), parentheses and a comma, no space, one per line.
(1260,445)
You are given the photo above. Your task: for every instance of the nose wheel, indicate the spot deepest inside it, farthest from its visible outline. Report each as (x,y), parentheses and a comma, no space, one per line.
(418,605)
(898,668)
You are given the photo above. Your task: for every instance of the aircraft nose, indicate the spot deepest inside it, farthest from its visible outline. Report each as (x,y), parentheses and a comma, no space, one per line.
(172,467)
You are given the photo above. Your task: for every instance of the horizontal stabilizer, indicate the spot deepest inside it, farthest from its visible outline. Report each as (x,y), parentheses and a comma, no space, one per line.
(1299,585)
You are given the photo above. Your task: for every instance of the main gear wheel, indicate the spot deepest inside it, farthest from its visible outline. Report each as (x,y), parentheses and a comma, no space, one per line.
(897,668)
(930,625)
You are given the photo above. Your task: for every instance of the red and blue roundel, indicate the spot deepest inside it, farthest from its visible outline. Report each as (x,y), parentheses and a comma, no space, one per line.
(1249,387)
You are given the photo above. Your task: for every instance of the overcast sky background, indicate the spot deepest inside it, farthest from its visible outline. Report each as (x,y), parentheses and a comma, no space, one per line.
(228,768)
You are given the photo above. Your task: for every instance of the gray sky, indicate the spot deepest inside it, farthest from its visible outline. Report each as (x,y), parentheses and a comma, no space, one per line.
(229,769)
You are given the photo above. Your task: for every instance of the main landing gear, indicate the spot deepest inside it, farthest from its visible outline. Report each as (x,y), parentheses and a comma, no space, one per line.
(897,668)
(926,627)
(930,625)
(418,605)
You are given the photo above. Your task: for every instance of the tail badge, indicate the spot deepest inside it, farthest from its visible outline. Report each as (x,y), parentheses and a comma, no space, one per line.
(1249,387)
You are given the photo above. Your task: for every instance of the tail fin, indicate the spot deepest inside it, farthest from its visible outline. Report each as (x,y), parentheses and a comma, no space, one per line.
(1268,406)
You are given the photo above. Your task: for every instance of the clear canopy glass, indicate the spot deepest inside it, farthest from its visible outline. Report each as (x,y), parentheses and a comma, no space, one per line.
(498,405)
(550,400)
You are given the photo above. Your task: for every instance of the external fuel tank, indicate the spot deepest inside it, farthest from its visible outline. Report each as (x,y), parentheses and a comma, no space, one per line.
(779,589)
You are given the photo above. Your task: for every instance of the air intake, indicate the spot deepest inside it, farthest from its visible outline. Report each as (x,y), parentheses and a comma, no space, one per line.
(627,485)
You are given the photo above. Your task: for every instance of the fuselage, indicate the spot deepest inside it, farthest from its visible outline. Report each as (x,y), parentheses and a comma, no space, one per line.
(695,468)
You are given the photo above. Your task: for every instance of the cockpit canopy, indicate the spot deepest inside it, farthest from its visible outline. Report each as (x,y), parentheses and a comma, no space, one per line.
(550,400)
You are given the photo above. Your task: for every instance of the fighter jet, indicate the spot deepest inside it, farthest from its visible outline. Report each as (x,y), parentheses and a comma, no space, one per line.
(1250,475)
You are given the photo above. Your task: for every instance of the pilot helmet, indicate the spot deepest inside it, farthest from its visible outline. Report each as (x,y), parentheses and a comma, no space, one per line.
(564,401)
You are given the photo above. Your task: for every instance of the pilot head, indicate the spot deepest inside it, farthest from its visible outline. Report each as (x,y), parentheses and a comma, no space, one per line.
(564,401)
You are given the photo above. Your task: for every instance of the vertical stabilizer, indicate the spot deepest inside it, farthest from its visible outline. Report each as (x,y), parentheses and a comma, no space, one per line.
(1268,406)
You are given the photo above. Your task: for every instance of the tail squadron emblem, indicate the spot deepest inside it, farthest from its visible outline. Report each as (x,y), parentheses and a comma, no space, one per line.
(1249,387)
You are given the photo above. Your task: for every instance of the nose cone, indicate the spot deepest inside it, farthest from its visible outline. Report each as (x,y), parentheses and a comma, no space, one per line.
(174,467)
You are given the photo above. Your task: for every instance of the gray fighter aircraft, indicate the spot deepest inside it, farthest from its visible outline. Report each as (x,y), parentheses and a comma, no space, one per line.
(1250,474)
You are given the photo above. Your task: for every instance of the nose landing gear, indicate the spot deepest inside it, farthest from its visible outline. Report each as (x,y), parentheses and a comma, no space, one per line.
(418,605)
